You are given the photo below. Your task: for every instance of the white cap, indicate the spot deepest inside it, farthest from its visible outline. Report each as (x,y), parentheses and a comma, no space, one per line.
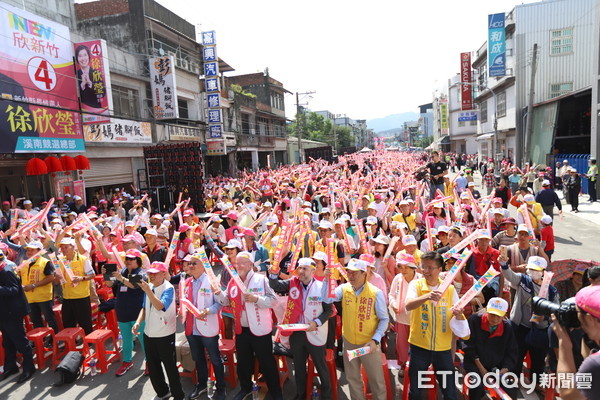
(325,225)
(537,263)
(34,245)
(320,255)
(76,197)
(272,220)
(129,223)
(371,220)
(307,262)
(404,203)
(372,206)
(382,239)
(340,221)
(357,265)
(497,306)
(528,198)
(522,228)
(27,202)
(268,204)
(325,210)
(234,243)
(408,240)
(151,232)
(443,228)
(67,241)
(471,184)
(545,182)
(546,219)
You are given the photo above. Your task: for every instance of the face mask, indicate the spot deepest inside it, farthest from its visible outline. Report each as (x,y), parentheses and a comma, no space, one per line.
(534,275)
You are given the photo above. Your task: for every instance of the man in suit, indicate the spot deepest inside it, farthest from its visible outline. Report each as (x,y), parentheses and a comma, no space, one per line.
(14,308)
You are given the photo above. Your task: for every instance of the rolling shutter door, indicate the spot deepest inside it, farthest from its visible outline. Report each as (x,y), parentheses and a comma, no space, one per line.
(108,171)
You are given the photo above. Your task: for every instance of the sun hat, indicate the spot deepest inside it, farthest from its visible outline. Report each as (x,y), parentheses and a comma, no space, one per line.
(497,306)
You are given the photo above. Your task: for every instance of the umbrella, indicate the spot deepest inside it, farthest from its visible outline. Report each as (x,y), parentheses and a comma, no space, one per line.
(563,269)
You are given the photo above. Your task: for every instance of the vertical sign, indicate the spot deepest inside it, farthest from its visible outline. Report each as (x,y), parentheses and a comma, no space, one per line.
(444,116)
(211,82)
(496,45)
(466,78)
(164,89)
(93,80)
(38,90)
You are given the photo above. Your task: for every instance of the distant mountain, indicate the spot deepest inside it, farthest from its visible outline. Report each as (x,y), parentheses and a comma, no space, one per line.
(390,132)
(394,121)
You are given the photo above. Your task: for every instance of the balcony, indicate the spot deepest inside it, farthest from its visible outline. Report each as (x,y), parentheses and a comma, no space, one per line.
(255,141)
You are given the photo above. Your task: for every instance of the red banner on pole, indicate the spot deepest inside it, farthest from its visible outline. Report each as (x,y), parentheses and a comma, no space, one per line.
(466,78)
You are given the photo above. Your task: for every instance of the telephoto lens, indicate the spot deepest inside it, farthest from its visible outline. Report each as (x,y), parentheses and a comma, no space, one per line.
(566,312)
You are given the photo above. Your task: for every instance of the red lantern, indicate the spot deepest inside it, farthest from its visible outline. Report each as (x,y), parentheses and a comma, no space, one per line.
(36,166)
(53,164)
(68,163)
(82,162)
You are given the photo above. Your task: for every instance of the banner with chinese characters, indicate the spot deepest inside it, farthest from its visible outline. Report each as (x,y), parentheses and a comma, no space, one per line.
(216,147)
(496,45)
(444,116)
(184,133)
(467,116)
(93,80)
(214,115)
(466,78)
(164,88)
(38,95)
(119,131)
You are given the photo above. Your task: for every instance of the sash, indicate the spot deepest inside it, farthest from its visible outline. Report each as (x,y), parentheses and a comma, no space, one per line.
(237,303)
(294,307)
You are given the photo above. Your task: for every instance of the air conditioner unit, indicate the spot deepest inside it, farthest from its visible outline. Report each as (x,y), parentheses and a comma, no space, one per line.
(185,64)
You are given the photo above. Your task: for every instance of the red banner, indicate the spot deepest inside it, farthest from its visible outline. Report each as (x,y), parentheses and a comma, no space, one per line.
(466,79)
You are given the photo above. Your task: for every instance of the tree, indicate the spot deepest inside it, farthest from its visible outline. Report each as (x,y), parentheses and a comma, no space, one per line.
(316,127)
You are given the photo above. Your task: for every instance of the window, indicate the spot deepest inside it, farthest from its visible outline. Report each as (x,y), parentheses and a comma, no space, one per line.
(483,111)
(558,89)
(473,123)
(183,109)
(561,41)
(461,123)
(501,105)
(126,101)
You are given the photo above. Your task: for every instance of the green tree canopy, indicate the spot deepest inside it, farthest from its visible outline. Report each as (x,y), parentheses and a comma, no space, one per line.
(316,127)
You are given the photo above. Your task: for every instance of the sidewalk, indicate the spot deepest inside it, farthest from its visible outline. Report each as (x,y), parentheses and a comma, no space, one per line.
(588,211)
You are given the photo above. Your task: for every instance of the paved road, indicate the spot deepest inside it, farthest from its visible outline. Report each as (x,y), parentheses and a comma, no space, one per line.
(576,237)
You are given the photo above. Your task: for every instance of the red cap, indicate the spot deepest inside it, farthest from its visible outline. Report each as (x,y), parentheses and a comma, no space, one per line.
(6,203)
(133,253)
(157,267)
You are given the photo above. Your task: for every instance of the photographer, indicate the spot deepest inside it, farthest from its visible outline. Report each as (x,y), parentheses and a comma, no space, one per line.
(437,170)
(587,301)
(532,337)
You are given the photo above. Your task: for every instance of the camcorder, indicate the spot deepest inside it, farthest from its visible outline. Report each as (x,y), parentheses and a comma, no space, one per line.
(135,279)
(566,312)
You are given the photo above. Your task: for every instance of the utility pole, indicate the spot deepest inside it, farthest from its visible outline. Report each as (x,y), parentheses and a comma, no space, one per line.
(298,127)
(335,140)
(529,123)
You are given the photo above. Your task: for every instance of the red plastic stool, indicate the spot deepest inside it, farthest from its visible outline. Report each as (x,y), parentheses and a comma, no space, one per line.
(227,348)
(96,320)
(282,367)
(28,323)
(330,361)
(112,323)
(68,337)
(38,336)
(406,385)
(57,309)
(103,357)
(105,293)
(386,376)
(99,281)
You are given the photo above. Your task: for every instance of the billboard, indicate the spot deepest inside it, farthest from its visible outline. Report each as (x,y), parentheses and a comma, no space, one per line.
(38,96)
(164,88)
(444,123)
(211,83)
(93,80)
(466,92)
(496,45)
(119,131)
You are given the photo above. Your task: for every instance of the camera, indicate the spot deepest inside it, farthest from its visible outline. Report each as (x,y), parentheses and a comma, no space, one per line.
(135,279)
(565,312)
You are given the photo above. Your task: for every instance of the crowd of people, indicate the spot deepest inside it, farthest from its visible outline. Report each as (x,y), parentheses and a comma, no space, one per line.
(383,253)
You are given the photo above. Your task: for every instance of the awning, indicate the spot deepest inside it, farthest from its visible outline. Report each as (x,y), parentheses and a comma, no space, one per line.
(486,136)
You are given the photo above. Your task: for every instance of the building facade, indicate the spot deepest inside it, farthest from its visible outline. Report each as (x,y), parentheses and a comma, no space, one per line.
(463,124)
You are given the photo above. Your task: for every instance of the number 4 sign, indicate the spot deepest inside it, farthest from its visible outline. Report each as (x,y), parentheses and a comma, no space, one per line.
(41,73)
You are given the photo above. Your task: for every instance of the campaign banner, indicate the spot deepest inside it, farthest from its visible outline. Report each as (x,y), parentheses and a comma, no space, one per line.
(496,45)
(466,77)
(164,88)
(119,131)
(93,80)
(444,120)
(38,96)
